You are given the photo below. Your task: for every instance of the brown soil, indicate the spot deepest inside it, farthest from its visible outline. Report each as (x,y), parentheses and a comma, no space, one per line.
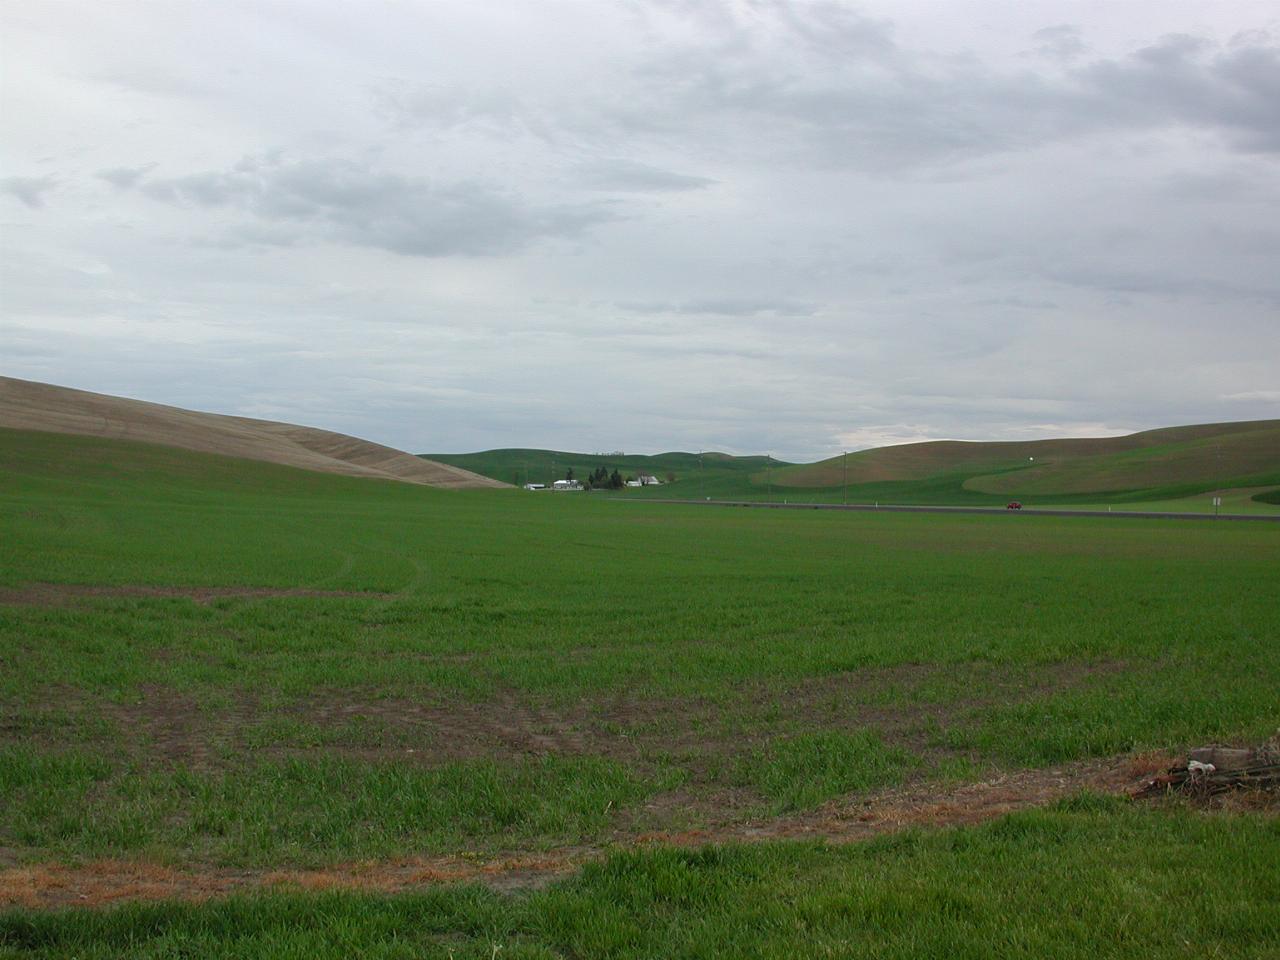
(104,882)
(161,725)
(630,727)
(25,405)
(61,594)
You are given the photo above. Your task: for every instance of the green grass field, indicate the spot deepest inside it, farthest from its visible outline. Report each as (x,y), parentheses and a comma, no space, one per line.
(1089,878)
(394,671)
(1242,500)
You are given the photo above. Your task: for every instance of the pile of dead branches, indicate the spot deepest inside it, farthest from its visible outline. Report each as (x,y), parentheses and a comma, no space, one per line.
(1212,770)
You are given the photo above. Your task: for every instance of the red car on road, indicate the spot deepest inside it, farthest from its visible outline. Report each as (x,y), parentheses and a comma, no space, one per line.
(1013,505)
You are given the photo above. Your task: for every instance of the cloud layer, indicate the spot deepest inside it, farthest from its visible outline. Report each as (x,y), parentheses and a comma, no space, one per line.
(754,226)
(345,202)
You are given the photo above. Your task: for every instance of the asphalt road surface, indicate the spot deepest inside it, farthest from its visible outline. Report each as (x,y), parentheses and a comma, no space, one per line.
(1025,511)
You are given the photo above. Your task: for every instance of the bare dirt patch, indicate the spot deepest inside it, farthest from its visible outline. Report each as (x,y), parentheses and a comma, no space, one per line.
(630,726)
(922,804)
(105,882)
(509,725)
(165,725)
(845,821)
(62,594)
(903,704)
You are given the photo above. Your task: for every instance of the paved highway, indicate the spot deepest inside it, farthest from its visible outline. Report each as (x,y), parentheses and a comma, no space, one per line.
(1025,511)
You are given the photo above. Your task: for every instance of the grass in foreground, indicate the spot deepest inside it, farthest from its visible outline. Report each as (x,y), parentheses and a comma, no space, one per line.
(488,670)
(1090,878)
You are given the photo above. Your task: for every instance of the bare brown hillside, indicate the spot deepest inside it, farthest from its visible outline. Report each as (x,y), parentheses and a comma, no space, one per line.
(25,405)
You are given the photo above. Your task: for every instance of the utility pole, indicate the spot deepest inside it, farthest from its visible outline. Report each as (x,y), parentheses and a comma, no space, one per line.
(768,473)
(844,484)
(1217,453)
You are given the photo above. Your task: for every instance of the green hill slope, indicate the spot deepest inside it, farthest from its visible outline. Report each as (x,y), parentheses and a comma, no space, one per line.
(1153,465)
(682,474)
(1204,452)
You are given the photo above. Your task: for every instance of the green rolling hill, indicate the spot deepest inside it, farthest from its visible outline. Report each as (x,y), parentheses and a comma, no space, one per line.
(1151,466)
(682,474)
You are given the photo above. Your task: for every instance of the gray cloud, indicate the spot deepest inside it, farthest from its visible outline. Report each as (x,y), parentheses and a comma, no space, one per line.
(823,83)
(353,204)
(28,190)
(1150,281)
(868,102)
(1254,396)
(833,31)
(1062,42)
(1185,80)
(629,175)
(725,307)
(408,104)
(1234,185)
(125,177)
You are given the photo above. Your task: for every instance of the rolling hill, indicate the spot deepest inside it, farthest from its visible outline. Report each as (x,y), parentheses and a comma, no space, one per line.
(1199,453)
(714,474)
(1153,465)
(1163,464)
(42,407)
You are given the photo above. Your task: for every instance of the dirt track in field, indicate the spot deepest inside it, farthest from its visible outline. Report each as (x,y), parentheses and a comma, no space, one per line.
(62,594)
(26,405)
(160,724)
(99,883)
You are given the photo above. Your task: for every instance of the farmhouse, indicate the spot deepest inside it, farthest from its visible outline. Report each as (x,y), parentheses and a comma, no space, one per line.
(647,481)
(535,486)
(566,485)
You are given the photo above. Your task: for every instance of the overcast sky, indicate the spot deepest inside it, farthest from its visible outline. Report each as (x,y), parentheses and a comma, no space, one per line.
(759,227)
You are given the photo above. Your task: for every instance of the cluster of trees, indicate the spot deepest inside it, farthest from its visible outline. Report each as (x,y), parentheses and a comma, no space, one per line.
(601,479)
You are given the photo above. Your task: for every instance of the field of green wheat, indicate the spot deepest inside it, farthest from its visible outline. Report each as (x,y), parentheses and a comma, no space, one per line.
(213,664)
